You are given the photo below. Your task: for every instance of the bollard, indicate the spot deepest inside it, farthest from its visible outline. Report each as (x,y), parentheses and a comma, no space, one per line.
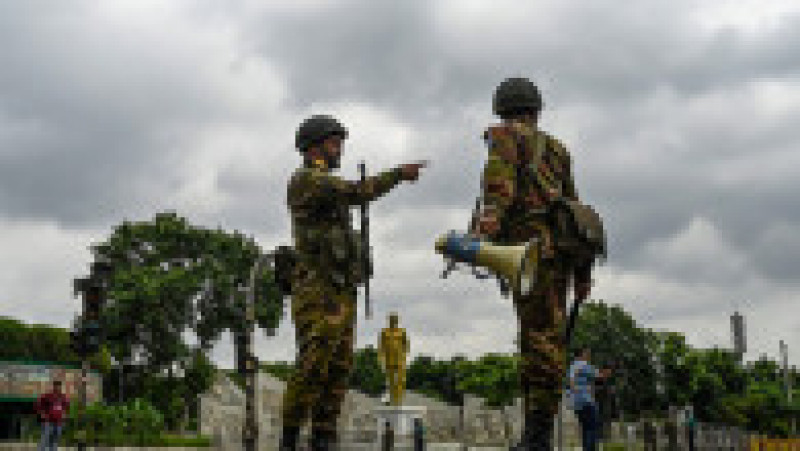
(671,431)
(388,437)
(419,435)
(649,432)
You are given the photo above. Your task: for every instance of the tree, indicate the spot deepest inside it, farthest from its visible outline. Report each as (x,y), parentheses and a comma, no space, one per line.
(671,350)
(431,377)
(281,370)
(765,370)
(367,375)
(718,384)
(35,342)
(616,341)
(170,277)
(198,378)
(494,377)
(765,407)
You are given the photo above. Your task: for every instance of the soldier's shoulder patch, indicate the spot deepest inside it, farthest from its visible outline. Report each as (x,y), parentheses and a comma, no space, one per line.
(303,174)
(310,178)
(314,172)
(498,131)
(501,141)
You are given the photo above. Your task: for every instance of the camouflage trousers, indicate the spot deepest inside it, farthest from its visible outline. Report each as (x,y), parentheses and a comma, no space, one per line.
(324,329)
(542,349)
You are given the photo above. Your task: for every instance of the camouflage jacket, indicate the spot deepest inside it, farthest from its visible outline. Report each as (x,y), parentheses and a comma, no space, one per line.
(526,171)
(324,239)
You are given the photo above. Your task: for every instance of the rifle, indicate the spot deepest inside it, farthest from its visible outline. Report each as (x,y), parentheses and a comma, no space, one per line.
(365,260)
(573,316)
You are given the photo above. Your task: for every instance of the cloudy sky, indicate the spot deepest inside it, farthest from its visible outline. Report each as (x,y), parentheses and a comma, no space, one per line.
(681,117)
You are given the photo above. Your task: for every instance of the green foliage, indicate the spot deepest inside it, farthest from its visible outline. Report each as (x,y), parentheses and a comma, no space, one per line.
(136,421)
(494,377)
(176,440)
(198,378)
(237,379)
(765,370)
(765,408)
(34,342)
(176,396)
(367,375)
(433,378)
(170,277)
(617,341)
(281,370)
(673,354)
(718,383)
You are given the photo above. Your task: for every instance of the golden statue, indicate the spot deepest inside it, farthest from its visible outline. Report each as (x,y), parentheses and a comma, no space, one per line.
(392,351)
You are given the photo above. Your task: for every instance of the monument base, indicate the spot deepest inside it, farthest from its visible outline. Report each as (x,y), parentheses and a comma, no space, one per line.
(400,419)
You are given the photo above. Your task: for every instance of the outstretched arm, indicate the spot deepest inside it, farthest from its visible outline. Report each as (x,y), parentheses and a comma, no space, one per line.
(317,188)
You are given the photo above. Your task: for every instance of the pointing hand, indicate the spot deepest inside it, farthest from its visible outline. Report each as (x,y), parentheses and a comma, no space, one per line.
(410,172)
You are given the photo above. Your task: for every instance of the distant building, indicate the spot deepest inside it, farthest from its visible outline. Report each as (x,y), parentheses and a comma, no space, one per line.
(21,383)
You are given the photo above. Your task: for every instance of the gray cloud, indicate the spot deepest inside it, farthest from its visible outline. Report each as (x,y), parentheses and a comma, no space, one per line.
(681,119)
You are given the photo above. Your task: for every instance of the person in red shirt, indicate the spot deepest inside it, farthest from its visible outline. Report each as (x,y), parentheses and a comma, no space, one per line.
(52,408)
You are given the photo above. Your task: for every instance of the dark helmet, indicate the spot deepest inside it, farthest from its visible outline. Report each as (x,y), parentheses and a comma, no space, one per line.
(315,129)
(516,95)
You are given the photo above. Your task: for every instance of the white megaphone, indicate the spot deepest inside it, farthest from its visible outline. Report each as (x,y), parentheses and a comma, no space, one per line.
(516,264)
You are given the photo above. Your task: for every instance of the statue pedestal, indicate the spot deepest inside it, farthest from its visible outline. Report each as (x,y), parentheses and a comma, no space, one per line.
(401,419)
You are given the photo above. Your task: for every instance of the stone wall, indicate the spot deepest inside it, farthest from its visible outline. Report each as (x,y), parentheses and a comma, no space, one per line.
(222,409)
(31,379)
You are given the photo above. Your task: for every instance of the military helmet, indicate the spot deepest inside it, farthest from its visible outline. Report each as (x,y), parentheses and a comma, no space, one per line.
(516,95)
(315,129)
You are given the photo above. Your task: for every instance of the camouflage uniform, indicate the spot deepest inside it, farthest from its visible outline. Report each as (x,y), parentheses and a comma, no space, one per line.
(520,195)
(324,280)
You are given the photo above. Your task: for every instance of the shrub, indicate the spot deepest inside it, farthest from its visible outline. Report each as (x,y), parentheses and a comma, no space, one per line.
(137,422)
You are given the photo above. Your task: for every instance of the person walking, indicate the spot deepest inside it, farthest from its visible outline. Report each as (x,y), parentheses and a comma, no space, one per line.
(581,379)
(51,408)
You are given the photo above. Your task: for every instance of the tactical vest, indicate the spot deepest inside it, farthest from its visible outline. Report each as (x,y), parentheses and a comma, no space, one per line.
(327,244)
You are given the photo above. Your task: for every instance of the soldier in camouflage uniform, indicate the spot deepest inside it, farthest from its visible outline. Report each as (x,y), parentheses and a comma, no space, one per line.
(324,278)
(527,173)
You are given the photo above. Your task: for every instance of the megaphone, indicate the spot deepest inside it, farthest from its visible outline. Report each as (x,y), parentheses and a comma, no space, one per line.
(516,264)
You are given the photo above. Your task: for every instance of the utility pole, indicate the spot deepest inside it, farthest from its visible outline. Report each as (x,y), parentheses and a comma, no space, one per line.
(93,290)
(739,338)
(787,380)
(88,327)
(250,429)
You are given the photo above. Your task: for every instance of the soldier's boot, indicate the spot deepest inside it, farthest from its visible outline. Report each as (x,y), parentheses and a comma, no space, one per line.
(537,435)
(289,436)
(323,440)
